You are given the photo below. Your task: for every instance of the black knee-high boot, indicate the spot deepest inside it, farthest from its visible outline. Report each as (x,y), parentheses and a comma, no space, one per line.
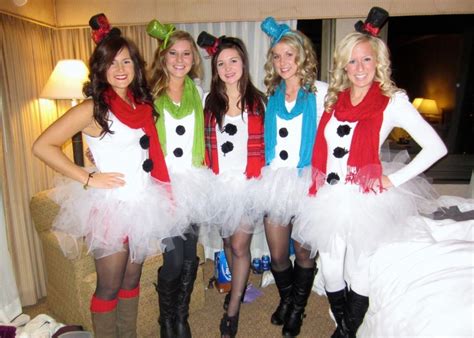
(338,300)
(357,306)
(284,283)
(302,285)
(186,285)
(167,300)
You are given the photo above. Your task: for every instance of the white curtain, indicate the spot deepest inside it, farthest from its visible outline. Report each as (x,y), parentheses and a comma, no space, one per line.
(255,40)
(10,305)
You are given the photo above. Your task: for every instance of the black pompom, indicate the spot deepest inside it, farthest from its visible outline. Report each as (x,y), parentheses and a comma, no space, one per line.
(178,152)
(180,130)
(230,129)
(332,178)
(284,155)
(227,147)
(339,152)
(283,132)
(147,165)
(343,130)
(145,142)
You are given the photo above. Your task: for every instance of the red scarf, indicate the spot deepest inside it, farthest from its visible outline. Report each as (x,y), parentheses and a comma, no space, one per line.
(255,145)
(140,118)
(363,165)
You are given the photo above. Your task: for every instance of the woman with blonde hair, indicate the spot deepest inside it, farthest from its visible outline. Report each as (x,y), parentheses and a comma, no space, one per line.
(359,203)
(181,129)
(291,117)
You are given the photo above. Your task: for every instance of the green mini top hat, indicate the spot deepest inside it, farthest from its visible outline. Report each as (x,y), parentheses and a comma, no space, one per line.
(159,31)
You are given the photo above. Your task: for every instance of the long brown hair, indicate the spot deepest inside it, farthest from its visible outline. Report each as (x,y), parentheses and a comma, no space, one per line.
(99,63)
(217,102)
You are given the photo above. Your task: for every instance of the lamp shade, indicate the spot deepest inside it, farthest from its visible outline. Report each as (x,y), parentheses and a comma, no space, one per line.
(66,81)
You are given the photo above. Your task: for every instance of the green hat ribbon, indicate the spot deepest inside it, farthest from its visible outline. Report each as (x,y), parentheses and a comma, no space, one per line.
(159,31)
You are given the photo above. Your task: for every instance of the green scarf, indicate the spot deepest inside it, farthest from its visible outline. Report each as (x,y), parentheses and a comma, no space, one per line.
(190,102)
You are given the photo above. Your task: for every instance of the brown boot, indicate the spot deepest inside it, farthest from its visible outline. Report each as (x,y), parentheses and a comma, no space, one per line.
(104,324)
(104,317)
(127,311)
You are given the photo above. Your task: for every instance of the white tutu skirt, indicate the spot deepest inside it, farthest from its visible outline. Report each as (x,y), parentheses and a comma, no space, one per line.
(107,219)
(232,207)
(191,189)
(280,193)
(364,221)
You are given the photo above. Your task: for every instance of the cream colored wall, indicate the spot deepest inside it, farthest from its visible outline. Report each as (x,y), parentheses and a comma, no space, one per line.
(72,13)
(40,11)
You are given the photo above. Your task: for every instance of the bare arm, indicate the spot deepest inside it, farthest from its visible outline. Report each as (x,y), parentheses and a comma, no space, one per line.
(48,146)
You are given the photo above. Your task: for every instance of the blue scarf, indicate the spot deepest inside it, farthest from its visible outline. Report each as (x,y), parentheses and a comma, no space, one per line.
(306,105)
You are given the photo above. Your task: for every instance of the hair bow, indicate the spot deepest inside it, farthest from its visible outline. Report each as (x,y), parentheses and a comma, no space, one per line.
(376,19)
(159,31)
(274,30)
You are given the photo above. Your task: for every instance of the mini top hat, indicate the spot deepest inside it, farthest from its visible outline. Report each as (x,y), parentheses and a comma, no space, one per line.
(209,42)
(159,31)
(274,30)
(376,18)
(101,28)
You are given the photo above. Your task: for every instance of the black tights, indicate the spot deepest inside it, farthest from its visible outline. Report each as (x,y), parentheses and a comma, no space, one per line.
(237,251)
(116,272)
(278,239)
(182,249)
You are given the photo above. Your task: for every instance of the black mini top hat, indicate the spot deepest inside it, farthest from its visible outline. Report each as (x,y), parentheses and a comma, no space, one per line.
(376,18)
(208,42)
(101,28)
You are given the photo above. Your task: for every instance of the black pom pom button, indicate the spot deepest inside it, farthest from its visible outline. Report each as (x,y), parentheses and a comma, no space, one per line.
(227,147)
(145,142)
(178,152)
(283,132)
(284,155)
(147,165)
(339,152)
(332,178)
(230,129)
(343,130)
(180,130)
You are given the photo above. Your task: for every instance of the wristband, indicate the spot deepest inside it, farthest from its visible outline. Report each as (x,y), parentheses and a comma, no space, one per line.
(86,185)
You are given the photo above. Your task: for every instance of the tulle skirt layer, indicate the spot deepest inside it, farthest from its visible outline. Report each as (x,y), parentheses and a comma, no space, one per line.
(364,221)
(191,190)
(233,207)
(280,193)
(107,221)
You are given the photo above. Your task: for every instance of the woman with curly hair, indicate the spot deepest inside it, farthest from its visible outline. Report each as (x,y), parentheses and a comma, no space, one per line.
(181,129)
(359,203)
(294,108)
(235,152)
(122,209)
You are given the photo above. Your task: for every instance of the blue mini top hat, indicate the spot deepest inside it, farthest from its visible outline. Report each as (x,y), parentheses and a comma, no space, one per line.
(274,30)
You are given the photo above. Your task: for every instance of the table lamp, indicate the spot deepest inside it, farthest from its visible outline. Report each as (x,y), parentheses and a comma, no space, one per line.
(65,83)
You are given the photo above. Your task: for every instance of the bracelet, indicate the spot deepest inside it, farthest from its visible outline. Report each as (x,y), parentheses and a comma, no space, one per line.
(86,185)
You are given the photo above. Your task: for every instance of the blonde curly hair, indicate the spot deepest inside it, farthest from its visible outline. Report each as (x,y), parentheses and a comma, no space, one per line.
(305,60)
(339,80)
(158,74)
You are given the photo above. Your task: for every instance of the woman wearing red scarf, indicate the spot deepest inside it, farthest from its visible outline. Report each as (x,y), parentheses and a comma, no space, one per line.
(235,152)
(359,203)
(122,208)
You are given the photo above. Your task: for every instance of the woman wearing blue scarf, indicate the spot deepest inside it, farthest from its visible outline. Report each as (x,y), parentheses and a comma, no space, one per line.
(295,105)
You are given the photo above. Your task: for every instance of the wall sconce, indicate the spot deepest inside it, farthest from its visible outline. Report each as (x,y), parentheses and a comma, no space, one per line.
(429,109)
(65,83)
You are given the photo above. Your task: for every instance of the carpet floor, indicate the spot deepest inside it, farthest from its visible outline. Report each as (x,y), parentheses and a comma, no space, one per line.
(254,317)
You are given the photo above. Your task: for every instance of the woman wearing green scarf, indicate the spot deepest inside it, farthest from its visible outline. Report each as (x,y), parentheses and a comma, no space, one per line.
(180,128)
